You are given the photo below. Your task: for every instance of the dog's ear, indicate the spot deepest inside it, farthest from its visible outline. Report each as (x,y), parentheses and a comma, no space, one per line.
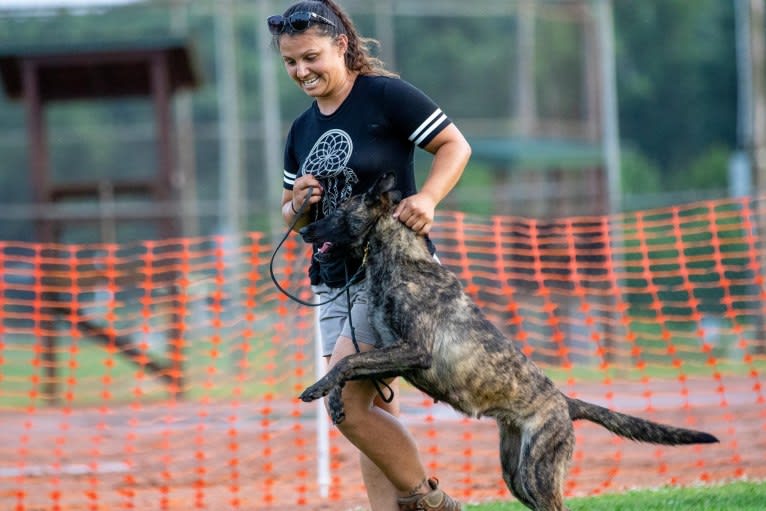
(395,196)
(384,183)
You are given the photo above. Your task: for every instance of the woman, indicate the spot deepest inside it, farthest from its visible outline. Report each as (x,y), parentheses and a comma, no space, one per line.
(363,121)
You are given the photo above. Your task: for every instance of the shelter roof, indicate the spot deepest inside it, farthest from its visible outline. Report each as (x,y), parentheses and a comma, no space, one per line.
(536,153)
(97,69)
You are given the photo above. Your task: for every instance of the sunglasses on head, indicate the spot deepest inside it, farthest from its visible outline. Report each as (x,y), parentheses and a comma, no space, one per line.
(297,21)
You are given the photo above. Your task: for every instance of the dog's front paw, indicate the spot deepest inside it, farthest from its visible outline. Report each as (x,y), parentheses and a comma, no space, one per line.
(335,405)
(314,392)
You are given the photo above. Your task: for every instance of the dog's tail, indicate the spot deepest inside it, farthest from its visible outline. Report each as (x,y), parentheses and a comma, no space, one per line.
(635,428)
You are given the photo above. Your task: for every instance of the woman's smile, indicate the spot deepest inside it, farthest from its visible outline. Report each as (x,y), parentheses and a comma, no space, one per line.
(310,83)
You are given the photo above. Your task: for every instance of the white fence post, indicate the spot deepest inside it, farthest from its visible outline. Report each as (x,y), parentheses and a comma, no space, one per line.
(322,425)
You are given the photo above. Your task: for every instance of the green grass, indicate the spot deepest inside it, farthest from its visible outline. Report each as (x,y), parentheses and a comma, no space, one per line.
(740,496)
(89,371)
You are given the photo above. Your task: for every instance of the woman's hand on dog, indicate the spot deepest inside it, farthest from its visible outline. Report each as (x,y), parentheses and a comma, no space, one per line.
(417,212)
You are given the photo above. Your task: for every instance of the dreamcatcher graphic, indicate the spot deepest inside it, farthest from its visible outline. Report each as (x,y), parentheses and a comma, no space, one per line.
(327,162)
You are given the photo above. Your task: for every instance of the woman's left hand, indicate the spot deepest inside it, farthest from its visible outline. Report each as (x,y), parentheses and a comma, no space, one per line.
(417,213)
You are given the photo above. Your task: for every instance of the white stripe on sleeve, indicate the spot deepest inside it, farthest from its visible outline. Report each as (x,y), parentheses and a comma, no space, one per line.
(430,129)
(428,122)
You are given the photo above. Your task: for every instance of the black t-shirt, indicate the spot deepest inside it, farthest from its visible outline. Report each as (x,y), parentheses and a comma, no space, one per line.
(374,131)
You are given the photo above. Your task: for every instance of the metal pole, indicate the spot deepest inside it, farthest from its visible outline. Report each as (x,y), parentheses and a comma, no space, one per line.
(231,184)
(524,95)
(757,123)
(610,141)
(384,31)
(185,173)
(744,74)
(271,173)
(757,127)
(609,113)
(740,165)
(322,425)
(231,191)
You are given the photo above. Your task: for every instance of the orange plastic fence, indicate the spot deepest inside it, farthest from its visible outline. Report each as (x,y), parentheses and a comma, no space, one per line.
(164,374)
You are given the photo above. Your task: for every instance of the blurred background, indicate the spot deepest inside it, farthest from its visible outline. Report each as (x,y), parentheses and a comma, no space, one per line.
(164,118)
(141,142)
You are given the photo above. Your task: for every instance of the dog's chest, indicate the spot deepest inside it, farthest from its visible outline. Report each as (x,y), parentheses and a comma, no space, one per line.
(402,300)
(391,312)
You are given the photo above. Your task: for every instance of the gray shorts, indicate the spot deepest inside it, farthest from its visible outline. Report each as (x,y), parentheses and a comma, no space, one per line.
(333,316)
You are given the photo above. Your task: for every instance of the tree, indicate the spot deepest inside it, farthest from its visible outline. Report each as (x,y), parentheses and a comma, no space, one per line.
(676,77)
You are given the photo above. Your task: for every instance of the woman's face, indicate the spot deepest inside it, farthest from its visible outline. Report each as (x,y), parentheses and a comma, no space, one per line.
(315,61)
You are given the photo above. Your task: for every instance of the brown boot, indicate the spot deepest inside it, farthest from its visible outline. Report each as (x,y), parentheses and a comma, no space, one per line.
(434,500)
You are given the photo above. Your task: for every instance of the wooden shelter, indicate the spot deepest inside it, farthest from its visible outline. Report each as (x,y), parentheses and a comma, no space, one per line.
(41,75)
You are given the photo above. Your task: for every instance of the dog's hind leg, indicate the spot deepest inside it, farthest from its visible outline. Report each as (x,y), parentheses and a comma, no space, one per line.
(510,452)
(535,462)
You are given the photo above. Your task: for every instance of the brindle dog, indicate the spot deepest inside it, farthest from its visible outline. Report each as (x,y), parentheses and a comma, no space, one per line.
(433,335)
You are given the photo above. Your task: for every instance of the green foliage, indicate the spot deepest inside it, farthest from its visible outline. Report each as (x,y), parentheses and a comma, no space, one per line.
(676,77)
(559,55)
(639,174)
(473,193)
(708,170)
(466,69)
(740,496)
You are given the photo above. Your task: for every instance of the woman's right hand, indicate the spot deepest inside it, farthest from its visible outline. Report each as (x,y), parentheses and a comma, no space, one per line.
(302,187)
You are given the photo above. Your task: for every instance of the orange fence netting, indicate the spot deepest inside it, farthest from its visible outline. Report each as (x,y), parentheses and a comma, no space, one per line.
(165,374)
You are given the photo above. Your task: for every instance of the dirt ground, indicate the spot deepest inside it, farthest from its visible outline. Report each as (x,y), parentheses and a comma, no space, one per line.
(263,455)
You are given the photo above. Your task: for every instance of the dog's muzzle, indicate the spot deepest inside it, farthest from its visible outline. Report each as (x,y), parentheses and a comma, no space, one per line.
(323,253)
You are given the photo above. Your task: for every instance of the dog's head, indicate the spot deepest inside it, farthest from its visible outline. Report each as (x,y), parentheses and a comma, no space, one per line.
(346,228)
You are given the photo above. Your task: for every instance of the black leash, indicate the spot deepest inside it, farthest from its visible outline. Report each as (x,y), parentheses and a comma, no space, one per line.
(377,383)
(349,282)
(345,289)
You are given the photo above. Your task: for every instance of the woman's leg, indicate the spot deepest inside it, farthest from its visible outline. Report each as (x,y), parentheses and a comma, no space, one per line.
(391,465)
(380,491)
